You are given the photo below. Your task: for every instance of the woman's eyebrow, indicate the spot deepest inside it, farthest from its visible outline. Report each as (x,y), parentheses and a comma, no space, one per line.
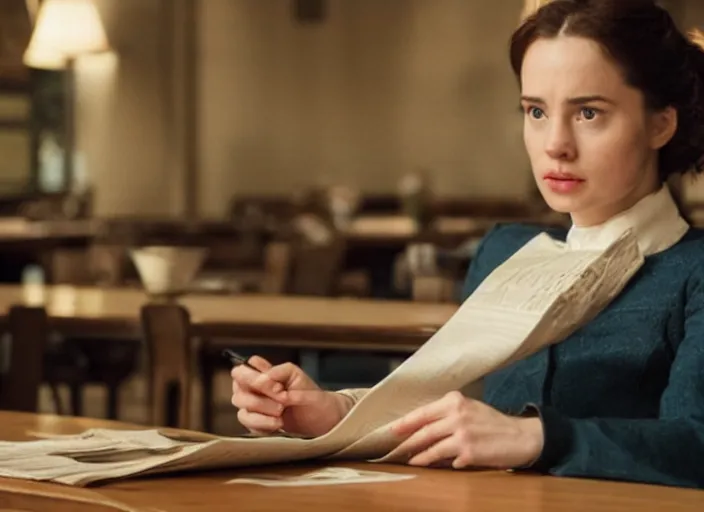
(578,100)
(533,99)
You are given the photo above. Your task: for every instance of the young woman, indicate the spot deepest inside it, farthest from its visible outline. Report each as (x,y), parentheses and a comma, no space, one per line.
(613,97)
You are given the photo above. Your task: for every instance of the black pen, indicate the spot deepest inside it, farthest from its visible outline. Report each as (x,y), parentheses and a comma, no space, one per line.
(237,359)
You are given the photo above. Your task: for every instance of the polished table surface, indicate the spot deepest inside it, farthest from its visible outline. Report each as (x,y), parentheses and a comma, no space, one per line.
(431,490)
(370,324)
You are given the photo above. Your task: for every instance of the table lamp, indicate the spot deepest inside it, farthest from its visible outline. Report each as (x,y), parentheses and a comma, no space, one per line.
(65,30)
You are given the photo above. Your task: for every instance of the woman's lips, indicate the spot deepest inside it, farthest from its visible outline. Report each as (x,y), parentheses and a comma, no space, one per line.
(562,183)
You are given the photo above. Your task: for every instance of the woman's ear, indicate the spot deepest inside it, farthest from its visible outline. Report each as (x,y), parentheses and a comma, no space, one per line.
(663,126)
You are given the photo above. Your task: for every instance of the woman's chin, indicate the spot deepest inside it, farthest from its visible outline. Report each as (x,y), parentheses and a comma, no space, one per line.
(561,204)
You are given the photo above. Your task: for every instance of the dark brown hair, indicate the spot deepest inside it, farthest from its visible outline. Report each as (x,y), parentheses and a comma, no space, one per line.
(653,54)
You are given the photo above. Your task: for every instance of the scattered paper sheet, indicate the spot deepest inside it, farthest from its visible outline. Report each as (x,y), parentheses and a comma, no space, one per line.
(325,476)
(539,296)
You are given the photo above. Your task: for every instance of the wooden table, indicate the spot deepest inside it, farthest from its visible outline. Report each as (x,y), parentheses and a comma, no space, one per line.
(431,490)
(275,320)
(303,323)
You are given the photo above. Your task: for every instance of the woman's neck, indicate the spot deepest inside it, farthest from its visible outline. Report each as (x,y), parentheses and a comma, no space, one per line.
(602,213)
(655,220)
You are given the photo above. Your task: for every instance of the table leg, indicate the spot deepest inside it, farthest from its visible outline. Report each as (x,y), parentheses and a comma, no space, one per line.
(207,374)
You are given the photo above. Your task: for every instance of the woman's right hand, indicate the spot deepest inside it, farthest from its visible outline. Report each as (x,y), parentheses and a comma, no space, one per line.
(283,397)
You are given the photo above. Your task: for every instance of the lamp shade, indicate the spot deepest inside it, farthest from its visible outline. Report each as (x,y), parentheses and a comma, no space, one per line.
(65,29)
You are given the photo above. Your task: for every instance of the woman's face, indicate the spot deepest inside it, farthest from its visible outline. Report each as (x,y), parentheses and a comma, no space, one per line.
(591,143)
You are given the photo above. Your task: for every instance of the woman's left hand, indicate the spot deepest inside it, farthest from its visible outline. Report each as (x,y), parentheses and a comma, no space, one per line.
(466,433)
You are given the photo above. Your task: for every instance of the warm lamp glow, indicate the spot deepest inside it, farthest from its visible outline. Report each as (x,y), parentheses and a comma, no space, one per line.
(43,58)
(64,30)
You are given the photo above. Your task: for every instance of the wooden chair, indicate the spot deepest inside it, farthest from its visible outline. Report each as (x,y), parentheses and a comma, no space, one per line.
(434,272)
(28,330)
(316,268)
(277,268)
(167,332)
(437,288)
(77,362)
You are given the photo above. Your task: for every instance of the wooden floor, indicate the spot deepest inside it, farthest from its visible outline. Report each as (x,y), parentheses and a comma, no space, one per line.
(133,404)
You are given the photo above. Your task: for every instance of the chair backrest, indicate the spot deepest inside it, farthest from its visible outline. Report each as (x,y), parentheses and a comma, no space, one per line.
(101,264)
(318,252)
(167,332)
(434,273)
(70,266)
(108,263)
(27,333)
(317,267)
(436,288)
(298,266)
(278,259)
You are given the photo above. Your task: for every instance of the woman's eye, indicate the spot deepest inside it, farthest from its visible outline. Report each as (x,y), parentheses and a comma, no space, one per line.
(589,113)
(535,113)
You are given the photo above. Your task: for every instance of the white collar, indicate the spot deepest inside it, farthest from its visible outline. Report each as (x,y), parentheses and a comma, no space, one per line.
(655,221)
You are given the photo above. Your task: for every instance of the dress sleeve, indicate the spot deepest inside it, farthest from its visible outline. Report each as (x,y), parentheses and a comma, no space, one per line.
(667,450)
(354,394)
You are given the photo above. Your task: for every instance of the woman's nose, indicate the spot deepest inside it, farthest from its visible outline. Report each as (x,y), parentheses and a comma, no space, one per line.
(560,144)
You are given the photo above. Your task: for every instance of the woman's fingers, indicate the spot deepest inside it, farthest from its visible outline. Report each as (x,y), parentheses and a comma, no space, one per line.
(257,403)
(263,393)
(248,379)
(259,423)
(259,363)
(288,373)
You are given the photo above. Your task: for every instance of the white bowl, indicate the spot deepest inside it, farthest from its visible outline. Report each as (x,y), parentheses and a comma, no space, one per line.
(167,270)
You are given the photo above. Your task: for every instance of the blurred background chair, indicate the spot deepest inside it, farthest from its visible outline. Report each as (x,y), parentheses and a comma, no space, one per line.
(167,333)
(108,362)
(23,358)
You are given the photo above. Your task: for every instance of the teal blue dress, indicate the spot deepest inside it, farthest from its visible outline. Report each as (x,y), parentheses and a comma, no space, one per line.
(623,397)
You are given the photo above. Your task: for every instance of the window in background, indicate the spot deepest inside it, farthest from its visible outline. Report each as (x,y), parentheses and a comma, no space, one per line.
(15,99)
(15,143)
(51,175)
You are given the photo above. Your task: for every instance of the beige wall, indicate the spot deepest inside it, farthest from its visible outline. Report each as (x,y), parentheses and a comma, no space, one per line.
(123,113)
(378,89)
